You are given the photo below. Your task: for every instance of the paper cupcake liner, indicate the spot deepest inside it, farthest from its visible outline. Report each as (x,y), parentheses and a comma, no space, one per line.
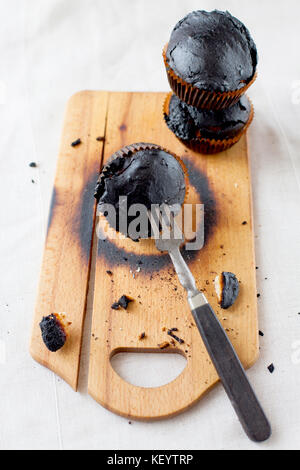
(201,98)
(129,150)
(204,145)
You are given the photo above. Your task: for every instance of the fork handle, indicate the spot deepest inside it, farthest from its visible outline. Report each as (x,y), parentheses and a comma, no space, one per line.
(231,372)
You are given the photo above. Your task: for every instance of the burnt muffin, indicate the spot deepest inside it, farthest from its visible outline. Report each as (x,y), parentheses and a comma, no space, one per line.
(207,130)
(146,174)
(210,59)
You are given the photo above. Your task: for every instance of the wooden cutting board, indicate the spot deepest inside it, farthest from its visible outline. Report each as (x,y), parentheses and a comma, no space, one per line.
(221,182)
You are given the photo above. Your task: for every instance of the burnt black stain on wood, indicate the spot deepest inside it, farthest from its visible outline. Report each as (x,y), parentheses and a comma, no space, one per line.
(116,256)
(53,204)
(82,219)
(82,222)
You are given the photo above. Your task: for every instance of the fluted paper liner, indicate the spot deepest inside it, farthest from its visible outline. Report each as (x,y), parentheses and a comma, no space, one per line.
(205,145)
(201,98)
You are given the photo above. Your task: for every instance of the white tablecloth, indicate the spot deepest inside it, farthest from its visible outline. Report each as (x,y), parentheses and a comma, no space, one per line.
(50,49)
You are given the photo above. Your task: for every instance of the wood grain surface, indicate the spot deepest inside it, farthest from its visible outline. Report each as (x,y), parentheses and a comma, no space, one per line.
(67,255)
(221,182)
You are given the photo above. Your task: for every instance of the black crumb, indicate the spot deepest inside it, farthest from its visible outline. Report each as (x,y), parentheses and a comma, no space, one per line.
(258,295)
(142,335)
(100,138)
(260,333)
(109,273)
(266,278)
(33,182)
(124,301)
(271,368)
(32,165)
(129,422)
(245,222)
(75,143)
(256,267)
(115,306)
(170,333)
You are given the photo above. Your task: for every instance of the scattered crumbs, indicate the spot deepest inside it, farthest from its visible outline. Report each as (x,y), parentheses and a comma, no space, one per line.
(258,295)
(32,181)
(93,335)
(115,306)
(32,165)
(129,422)
(164,345)
(175,289)
(224,318)
(173,342)
(245,222)
(180,340)
(101,138)
(96,338)
(142,336)
(227,329)
(260,333)
(164,328)
(109,272)
(76,142)
(266,278)
(271,368)
(221,246)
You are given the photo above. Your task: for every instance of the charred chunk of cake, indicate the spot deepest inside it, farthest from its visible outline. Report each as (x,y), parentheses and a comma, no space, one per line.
(53,332)
(227,289)
(115,306)
(124,301)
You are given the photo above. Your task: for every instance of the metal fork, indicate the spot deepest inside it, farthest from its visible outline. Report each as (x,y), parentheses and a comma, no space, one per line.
(222,353)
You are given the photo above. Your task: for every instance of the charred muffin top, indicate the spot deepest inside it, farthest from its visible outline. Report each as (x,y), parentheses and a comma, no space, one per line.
(189,123)
(149,176)
(213,51)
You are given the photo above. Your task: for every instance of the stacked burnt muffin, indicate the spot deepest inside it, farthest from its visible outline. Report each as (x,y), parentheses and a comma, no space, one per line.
(210,62)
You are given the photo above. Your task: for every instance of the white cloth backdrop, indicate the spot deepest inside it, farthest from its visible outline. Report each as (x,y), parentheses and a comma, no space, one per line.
(50,49)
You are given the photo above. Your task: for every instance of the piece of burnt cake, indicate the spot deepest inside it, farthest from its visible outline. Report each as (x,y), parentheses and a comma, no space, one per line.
(53,332)
(227,289)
